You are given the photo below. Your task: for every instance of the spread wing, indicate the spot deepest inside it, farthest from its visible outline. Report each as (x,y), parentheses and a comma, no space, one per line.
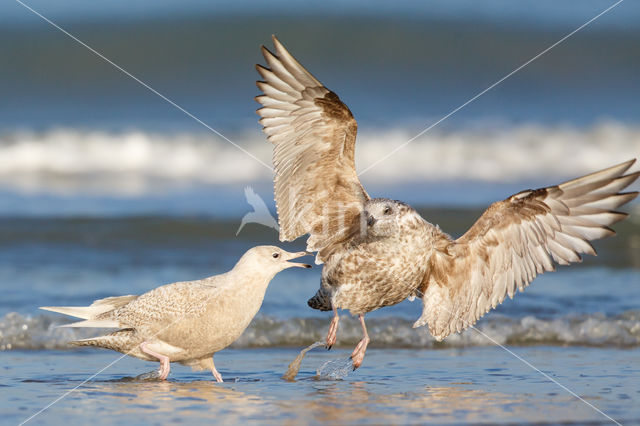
(313,133)
(517,239)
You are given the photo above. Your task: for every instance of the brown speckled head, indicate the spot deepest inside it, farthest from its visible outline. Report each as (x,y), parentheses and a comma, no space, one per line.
(385,217)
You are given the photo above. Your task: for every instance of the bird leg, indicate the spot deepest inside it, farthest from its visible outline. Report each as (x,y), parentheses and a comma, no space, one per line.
(164,360)
(217,375)
(358,353)
(333,328)
(207,363)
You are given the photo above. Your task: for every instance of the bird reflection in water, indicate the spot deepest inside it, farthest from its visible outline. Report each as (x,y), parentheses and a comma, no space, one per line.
(361,401)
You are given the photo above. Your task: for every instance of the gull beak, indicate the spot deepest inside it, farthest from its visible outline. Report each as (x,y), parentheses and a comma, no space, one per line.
(290,256)
(371,220)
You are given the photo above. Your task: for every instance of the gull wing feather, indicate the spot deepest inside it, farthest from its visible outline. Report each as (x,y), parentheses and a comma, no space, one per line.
(517,239)
(153,311)
(165,309)
(317,189)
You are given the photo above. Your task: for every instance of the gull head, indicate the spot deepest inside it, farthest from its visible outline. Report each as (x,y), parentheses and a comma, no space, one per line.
(272,259)
(381,217)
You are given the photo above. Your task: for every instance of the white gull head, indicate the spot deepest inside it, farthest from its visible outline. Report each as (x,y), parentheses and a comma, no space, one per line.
(270,260)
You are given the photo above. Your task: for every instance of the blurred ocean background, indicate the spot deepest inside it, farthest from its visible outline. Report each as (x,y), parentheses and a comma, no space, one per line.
(107,189)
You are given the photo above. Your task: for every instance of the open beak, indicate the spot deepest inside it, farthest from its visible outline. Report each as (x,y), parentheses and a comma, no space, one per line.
(291,256)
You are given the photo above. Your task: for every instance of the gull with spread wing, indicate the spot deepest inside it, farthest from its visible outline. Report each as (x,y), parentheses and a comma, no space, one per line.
(378,252)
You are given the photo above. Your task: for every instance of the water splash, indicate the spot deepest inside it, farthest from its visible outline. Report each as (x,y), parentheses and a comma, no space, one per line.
(149,375)
(294,367)
(335,369)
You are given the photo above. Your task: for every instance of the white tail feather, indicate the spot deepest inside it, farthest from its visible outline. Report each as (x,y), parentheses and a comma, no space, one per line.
(84,312)
(93,323)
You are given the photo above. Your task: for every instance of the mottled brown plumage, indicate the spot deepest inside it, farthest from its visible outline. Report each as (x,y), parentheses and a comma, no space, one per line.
(377,252)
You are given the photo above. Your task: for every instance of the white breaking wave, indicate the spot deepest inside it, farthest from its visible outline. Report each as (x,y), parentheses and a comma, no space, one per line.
(121,163)
(135,162)
(18,332)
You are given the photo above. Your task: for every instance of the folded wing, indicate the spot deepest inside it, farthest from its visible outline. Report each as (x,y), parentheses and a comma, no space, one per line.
(517,239)
(316,186)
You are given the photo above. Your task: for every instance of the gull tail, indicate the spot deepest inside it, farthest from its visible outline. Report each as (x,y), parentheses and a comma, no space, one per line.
(87,313)
(121,341)
(93,324)
(84,312)
(321,301)
(90,313)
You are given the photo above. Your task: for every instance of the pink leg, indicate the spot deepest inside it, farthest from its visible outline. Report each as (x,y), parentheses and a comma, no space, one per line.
(207,363)
(333,328)
(164,360)
(217,375)
(358,353)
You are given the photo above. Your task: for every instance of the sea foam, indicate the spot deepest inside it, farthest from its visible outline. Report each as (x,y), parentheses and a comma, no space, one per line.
(19,332)
(129,163)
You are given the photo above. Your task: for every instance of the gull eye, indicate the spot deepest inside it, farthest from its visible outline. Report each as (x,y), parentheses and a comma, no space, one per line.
(276,255)
(387,210)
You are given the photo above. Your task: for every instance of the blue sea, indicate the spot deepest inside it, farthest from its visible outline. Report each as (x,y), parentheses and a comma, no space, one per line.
(108,189)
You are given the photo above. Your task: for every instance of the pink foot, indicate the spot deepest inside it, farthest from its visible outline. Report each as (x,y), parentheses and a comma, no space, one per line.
(165,366)
(217,375)
(357,356)
(333,329)
(358,353)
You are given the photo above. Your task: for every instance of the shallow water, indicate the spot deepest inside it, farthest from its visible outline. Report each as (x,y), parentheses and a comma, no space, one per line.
(107,190)
(581,325)
(72,261)
(393,386)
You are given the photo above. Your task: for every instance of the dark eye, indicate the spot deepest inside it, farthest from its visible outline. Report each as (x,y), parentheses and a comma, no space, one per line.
(387,210)
(276,255)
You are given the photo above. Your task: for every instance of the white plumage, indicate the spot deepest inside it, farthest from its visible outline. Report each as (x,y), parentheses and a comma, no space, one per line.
(185,322)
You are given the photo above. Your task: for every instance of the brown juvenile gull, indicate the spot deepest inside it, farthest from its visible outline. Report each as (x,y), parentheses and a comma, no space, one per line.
(185,322)
(378,252)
